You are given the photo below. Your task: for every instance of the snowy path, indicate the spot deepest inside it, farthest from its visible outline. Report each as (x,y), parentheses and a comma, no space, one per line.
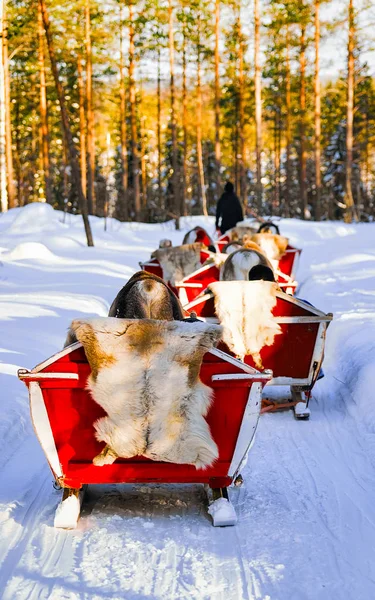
(306,512)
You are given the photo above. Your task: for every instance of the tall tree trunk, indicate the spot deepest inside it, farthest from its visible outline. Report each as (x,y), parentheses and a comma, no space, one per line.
(44,136)
(90,115)
(184,126)
(8,125)
(217,101)
(199,124)
(66,125)
(133,120)
(288,133)
(143,166)
(258,107)
(124,211)
(160,189)
(302,98)
(349,202)
(3,166)
(175,175)
(82,125)
(241,116)
(18,167)
(318,176)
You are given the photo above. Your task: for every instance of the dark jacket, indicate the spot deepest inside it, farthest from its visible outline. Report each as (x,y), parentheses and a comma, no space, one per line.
(229,210)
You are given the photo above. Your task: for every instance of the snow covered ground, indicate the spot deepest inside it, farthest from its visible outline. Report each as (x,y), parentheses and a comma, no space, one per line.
(307,510)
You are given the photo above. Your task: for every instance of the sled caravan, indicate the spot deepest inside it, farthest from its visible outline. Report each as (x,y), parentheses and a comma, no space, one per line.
(170,386)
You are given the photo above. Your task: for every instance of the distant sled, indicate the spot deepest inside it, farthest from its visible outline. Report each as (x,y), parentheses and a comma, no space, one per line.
(295,357)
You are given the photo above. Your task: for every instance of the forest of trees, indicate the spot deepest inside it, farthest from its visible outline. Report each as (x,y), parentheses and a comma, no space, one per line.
(142,110)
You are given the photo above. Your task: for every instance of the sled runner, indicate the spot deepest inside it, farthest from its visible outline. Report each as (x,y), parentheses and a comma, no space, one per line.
(296,354)
(64,413)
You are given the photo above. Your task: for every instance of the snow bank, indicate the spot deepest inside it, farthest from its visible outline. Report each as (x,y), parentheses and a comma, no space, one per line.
(30,251)
(34,217)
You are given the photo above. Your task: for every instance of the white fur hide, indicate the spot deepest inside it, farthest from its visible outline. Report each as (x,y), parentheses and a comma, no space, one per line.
(179,261)
(239,263)
(145,375)
(244,309)
(272,245)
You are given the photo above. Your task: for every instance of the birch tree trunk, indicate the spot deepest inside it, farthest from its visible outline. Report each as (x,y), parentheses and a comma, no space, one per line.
(44,136)
(8,126)
(3,167)
(90,115)
(199,124)
(349,201)
(175,177)
(133,120)
(258,108)
(66,125)
(217,101)
(318,176)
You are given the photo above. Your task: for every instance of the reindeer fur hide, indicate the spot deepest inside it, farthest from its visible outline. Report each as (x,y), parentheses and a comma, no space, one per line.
(273,245)
(179,261)
(145,375)
(237,233)
(244,309)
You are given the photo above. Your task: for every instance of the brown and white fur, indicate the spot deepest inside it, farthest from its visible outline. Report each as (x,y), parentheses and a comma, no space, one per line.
(244,309)
(145,375)
(272,245)
(178,261)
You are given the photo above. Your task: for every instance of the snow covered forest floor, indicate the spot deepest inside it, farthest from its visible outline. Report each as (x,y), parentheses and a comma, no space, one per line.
(306,511)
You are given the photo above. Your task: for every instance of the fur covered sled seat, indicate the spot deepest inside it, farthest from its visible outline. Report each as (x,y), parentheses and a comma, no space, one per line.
(178,261)
(273,246)
(145,375)
(239,264)
(244,309)
(237,233)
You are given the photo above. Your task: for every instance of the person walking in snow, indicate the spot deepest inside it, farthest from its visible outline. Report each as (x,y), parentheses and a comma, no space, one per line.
(228,210)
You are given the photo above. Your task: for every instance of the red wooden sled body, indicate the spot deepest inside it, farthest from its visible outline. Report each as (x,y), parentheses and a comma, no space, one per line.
(193,285)
(63,414)
(288,263)
(296,356)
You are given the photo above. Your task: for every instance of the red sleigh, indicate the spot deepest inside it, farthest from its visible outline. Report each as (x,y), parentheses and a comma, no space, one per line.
(191,286)
(295,357)
(288,263)
(64,413)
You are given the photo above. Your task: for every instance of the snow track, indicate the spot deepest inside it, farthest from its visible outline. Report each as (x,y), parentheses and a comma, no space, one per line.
(306,512)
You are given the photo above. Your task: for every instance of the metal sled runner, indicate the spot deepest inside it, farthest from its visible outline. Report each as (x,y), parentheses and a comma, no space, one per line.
(64,413)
